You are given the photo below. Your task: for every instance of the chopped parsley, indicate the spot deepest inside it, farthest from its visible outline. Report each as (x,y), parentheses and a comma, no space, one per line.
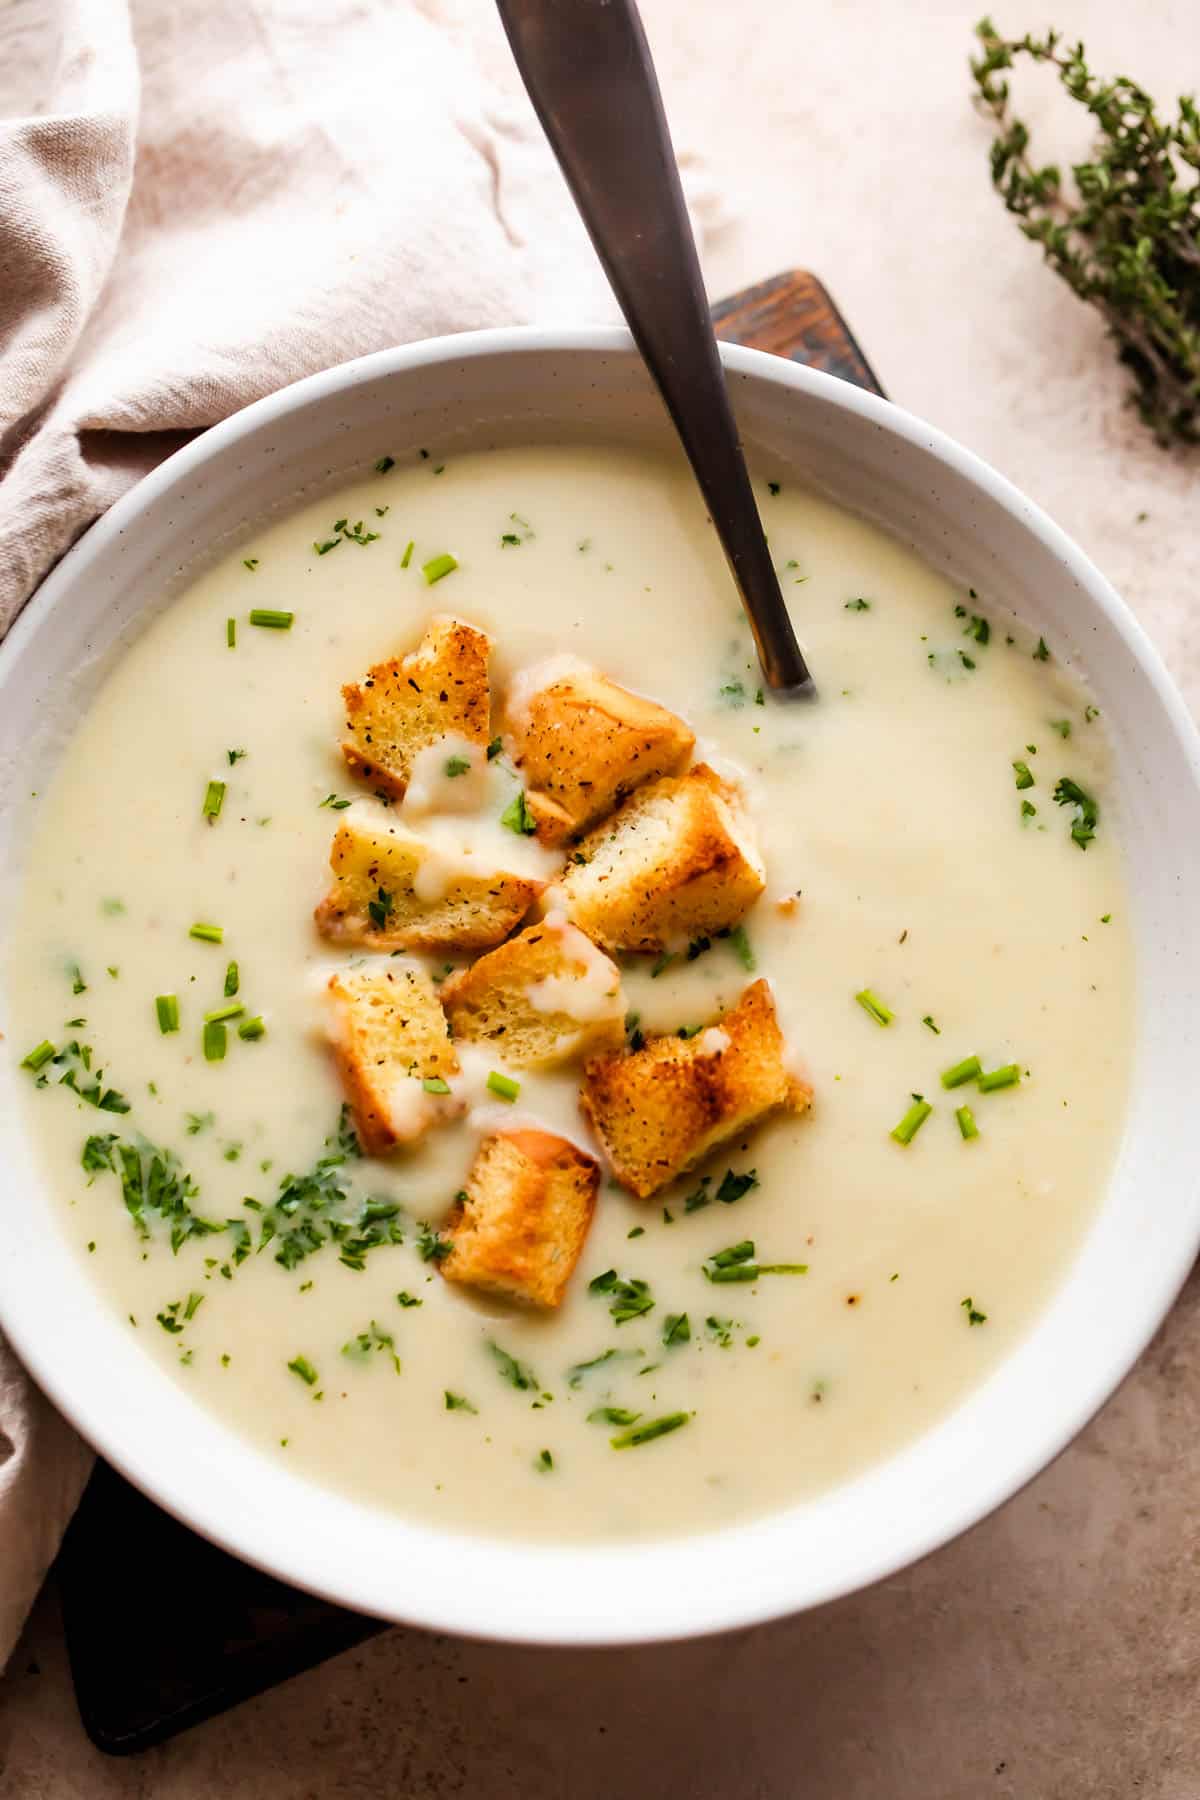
(458,765)
(494,748)
(334,802)
(1042,651)
(1023,774)
(1087,812)
(430,1246)
(380,909)
(629,1298)
(858,605)
(676,1330)
(518,817)
(974,1316)
(613,1415)
(517,1374)
(737,1263)
(933,1026)
(577,1371)
(384,464)
(543,1462)
(458,1402)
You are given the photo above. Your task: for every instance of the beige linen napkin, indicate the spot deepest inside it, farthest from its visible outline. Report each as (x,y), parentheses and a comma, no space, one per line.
(201,200)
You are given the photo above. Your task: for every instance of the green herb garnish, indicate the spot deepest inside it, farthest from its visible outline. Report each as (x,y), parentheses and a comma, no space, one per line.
(301,1366)
(1087,812)
(1024,776)
(207,934)
(966,1122)
(517,1374)
(502,1085)
(961,1072)
(872,1004)
(676,1330)
(271,620)
(974,1316)
(645,1434)
(166,1007)
(439,566)
(215,1039)
(906,1130)
(518,817)
(1124,236)
(458,1402)
(250,1029)
(1008,1076)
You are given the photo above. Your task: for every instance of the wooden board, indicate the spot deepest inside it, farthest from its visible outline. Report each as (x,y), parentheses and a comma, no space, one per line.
(149,1656)
(792,315)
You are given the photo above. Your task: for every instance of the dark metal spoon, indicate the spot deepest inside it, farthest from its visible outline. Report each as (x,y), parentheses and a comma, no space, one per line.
(588,70)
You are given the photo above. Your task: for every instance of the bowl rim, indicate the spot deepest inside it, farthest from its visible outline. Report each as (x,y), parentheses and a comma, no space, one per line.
(679,1611)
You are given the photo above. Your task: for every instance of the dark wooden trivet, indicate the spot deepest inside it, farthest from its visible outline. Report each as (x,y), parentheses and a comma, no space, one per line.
(163,1629)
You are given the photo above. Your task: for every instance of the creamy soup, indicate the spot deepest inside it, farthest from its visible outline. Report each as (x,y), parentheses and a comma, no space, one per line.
(929,901)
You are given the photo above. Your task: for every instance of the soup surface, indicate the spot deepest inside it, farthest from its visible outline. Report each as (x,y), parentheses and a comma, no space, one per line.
(909,828)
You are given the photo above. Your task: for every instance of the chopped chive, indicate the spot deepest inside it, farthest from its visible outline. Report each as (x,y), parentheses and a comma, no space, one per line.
(301,1366)
(931,1022)
(271,620)
(434,1084)
(214,800)
(39,1057)
(232,980)
(250,1029)
(644,1434)
(250,562)
(1024,776)
(871,1003)
(166,1006)
(438,566)
(207,934)
(991,1079)
(231,633)
(662,963)
(215,1037)
(1042,652)
(911,1123)
(230,1009)
(743,949)
(613,1415)
(966,1122)
(503,1085)
(408,550)
(494,749)
(963,1071)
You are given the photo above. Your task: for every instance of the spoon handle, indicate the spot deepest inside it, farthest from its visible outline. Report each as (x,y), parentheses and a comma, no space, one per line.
(588,70)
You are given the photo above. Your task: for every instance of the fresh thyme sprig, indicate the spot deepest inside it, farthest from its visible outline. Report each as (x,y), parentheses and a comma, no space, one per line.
(1125,233)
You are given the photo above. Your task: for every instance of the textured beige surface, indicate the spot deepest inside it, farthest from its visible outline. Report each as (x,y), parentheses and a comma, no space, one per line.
(1054,1654)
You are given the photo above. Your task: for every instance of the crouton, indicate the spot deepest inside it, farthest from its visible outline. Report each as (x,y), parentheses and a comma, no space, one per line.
(395,891)
(520,1224)
(546,995)
(394,1052)
(658,1110)
(584,744)
(679,861)
(402,706)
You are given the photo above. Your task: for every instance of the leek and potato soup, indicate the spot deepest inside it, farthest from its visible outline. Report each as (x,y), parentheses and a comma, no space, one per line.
(510,1066)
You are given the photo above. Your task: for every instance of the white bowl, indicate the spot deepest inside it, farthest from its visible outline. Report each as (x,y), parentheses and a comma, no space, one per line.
(504,386)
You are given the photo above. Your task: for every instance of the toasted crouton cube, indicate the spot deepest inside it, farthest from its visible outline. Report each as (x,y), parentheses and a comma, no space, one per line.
(393,1049)
(521,1221)
(658,1110)
(402,706)
(543,997)
(583,744)
(395,891)
(679,861)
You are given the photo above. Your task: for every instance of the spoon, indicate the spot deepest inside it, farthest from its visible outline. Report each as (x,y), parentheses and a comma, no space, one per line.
(587,66)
